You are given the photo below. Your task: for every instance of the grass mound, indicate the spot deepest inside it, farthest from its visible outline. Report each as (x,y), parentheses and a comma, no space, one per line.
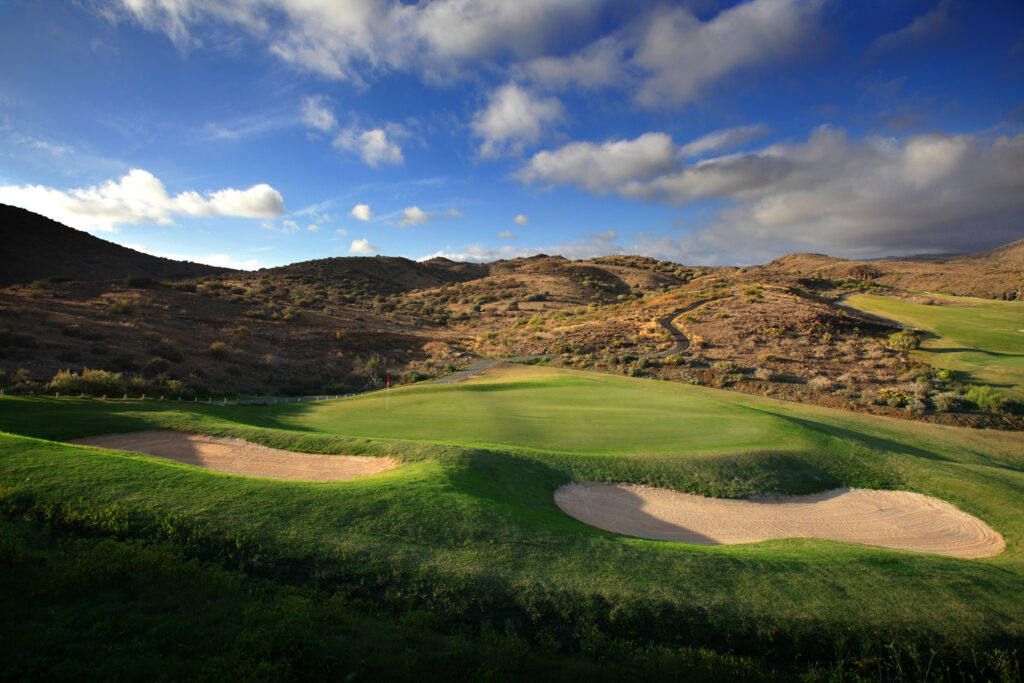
(465,537)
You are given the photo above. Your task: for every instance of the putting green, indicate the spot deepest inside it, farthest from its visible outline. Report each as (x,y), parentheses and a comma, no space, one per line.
(552,410)
(982,338)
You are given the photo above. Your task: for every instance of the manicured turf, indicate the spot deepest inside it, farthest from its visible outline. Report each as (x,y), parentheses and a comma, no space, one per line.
(979,337)
(468,529)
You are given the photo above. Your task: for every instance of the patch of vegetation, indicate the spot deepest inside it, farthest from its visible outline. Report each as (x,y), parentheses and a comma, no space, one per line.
(463,544)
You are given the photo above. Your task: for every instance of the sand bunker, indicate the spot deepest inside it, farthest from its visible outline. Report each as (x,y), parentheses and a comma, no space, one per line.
(892,519)
(235,456)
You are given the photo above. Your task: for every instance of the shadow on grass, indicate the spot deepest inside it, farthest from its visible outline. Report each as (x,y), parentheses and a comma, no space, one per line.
(877,443)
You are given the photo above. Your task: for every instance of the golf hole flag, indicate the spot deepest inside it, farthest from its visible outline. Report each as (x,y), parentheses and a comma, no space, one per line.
(389,381)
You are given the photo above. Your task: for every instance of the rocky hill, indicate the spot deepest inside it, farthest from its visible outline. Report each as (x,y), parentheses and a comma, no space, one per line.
(994,274)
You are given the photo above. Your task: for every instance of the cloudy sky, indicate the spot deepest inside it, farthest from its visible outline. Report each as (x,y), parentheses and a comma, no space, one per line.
(263,132)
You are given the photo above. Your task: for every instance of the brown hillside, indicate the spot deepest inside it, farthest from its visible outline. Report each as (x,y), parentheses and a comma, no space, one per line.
(38,248)
(994,274)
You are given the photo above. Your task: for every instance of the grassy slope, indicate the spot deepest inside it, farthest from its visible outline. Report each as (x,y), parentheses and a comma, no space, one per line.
(980,337)
(471,523)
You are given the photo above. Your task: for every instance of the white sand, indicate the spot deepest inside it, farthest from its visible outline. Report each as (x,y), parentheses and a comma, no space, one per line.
(892,519)
(241,457)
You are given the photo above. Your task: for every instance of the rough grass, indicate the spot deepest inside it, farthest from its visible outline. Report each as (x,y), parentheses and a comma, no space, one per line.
(467,529)
(978,337)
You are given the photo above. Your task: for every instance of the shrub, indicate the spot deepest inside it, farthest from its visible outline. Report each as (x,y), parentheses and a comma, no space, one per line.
(986,398)
(894,397)
(764,374)
(726,367)
(93,382)
(768,358)
(821,383)
(138,281)
(219,349)
(905,340)
(124,307)
(916,406)
(157,365)
(948,402)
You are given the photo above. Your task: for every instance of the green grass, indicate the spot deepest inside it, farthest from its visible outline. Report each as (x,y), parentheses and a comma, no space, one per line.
(467,529)
(979,337)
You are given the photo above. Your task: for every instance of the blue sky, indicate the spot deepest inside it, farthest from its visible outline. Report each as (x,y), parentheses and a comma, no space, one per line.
(262,132)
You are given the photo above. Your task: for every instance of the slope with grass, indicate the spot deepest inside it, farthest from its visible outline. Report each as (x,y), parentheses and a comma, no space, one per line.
(467,527)
(984,339)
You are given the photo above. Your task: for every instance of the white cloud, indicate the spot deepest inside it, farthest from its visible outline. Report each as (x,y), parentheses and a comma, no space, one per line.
(139,197)
(857,198)
(601,168)
(663,51)
(289,227)
(521,219)
(372,145)
(592,244)
(220,260)
(413,215)
(354,39)
(361,212)
(317,114)
(313,227)
(683,55)
(455,213)
(363,248)
(599,64)
(341,232)
(507,235)
(513,119)
(723,139)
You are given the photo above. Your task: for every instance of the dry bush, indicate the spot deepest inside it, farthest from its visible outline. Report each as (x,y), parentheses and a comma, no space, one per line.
(821,383)
(875,353)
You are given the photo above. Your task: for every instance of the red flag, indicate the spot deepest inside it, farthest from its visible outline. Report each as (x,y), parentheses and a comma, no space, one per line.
(389,381)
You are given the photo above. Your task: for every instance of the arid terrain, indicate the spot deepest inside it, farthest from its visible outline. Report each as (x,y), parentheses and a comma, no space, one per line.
(345,324)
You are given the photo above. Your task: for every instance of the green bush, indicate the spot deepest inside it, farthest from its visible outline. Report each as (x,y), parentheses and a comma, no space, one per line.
(986,398)
(905,340)
(894,397)
(93,382)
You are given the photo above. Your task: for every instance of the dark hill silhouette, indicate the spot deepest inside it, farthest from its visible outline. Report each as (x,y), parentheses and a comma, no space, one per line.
(37,248)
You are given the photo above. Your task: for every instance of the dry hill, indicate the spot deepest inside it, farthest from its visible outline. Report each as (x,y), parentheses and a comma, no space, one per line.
(47,249)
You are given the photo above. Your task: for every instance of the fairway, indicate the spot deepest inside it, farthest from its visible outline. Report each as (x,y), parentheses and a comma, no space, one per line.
(982,338)
(467,523)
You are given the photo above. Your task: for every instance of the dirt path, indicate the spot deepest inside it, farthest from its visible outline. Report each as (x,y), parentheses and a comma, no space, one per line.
(891,519)
(235,456)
